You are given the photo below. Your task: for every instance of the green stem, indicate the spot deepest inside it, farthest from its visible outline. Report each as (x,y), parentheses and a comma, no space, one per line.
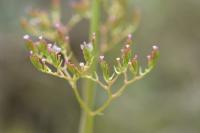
(87,120)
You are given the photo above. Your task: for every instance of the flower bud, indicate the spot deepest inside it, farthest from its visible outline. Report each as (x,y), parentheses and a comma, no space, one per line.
(40,37)
(126,54)
(118,59)
(29,43)
(82,65)
(105,68)
(87,50)
(118,68)
(35,60)
(101,57)
(56,49)
(26,37)
(42,47)
(152,58)
(93,37)
(134,66)
(73,69)
(129,39)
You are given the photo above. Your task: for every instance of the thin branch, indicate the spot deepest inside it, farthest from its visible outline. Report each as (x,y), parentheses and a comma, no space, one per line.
(103,107)
(105,87)
(80,100)
(125,77)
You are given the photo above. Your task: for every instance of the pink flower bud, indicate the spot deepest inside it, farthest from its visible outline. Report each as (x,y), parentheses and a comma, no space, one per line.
(129,36)
(67,38)
(149,57)
(57,25)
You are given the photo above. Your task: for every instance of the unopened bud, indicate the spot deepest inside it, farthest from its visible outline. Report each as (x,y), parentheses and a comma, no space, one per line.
(82,46)
(129,39)
(127,46)
(57,25)
(67,38)
(31,52)
(49,45)
(118,59)
(43,60)
(135,57)
(40,37)
(82,64)
(84,43)
(26,37)
(56,48)
(101,57)
(129,36)
(155,47)
(149,57)
(94,36)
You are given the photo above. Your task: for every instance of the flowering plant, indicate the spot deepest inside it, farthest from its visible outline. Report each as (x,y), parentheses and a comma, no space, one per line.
(50,51)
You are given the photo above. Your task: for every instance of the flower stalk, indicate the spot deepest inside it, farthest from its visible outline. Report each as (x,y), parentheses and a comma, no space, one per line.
(51,53)
(87,120)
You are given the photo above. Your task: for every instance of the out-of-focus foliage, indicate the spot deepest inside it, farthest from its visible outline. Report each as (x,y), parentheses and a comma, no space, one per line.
(168,102)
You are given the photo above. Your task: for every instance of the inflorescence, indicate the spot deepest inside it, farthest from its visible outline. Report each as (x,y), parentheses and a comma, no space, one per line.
(51,53)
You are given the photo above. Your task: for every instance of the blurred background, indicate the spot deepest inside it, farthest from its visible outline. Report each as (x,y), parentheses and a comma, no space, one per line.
(165,101)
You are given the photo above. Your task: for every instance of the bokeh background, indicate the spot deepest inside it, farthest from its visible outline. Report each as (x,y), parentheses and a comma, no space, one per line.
(166,101)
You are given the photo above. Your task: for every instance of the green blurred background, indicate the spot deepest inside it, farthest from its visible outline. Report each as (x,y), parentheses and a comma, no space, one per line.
(166,101)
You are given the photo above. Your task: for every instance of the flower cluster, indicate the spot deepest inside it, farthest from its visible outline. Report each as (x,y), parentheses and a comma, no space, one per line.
(52,54)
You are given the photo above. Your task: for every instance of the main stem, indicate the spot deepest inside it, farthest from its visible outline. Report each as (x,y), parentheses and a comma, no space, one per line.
(87,121)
